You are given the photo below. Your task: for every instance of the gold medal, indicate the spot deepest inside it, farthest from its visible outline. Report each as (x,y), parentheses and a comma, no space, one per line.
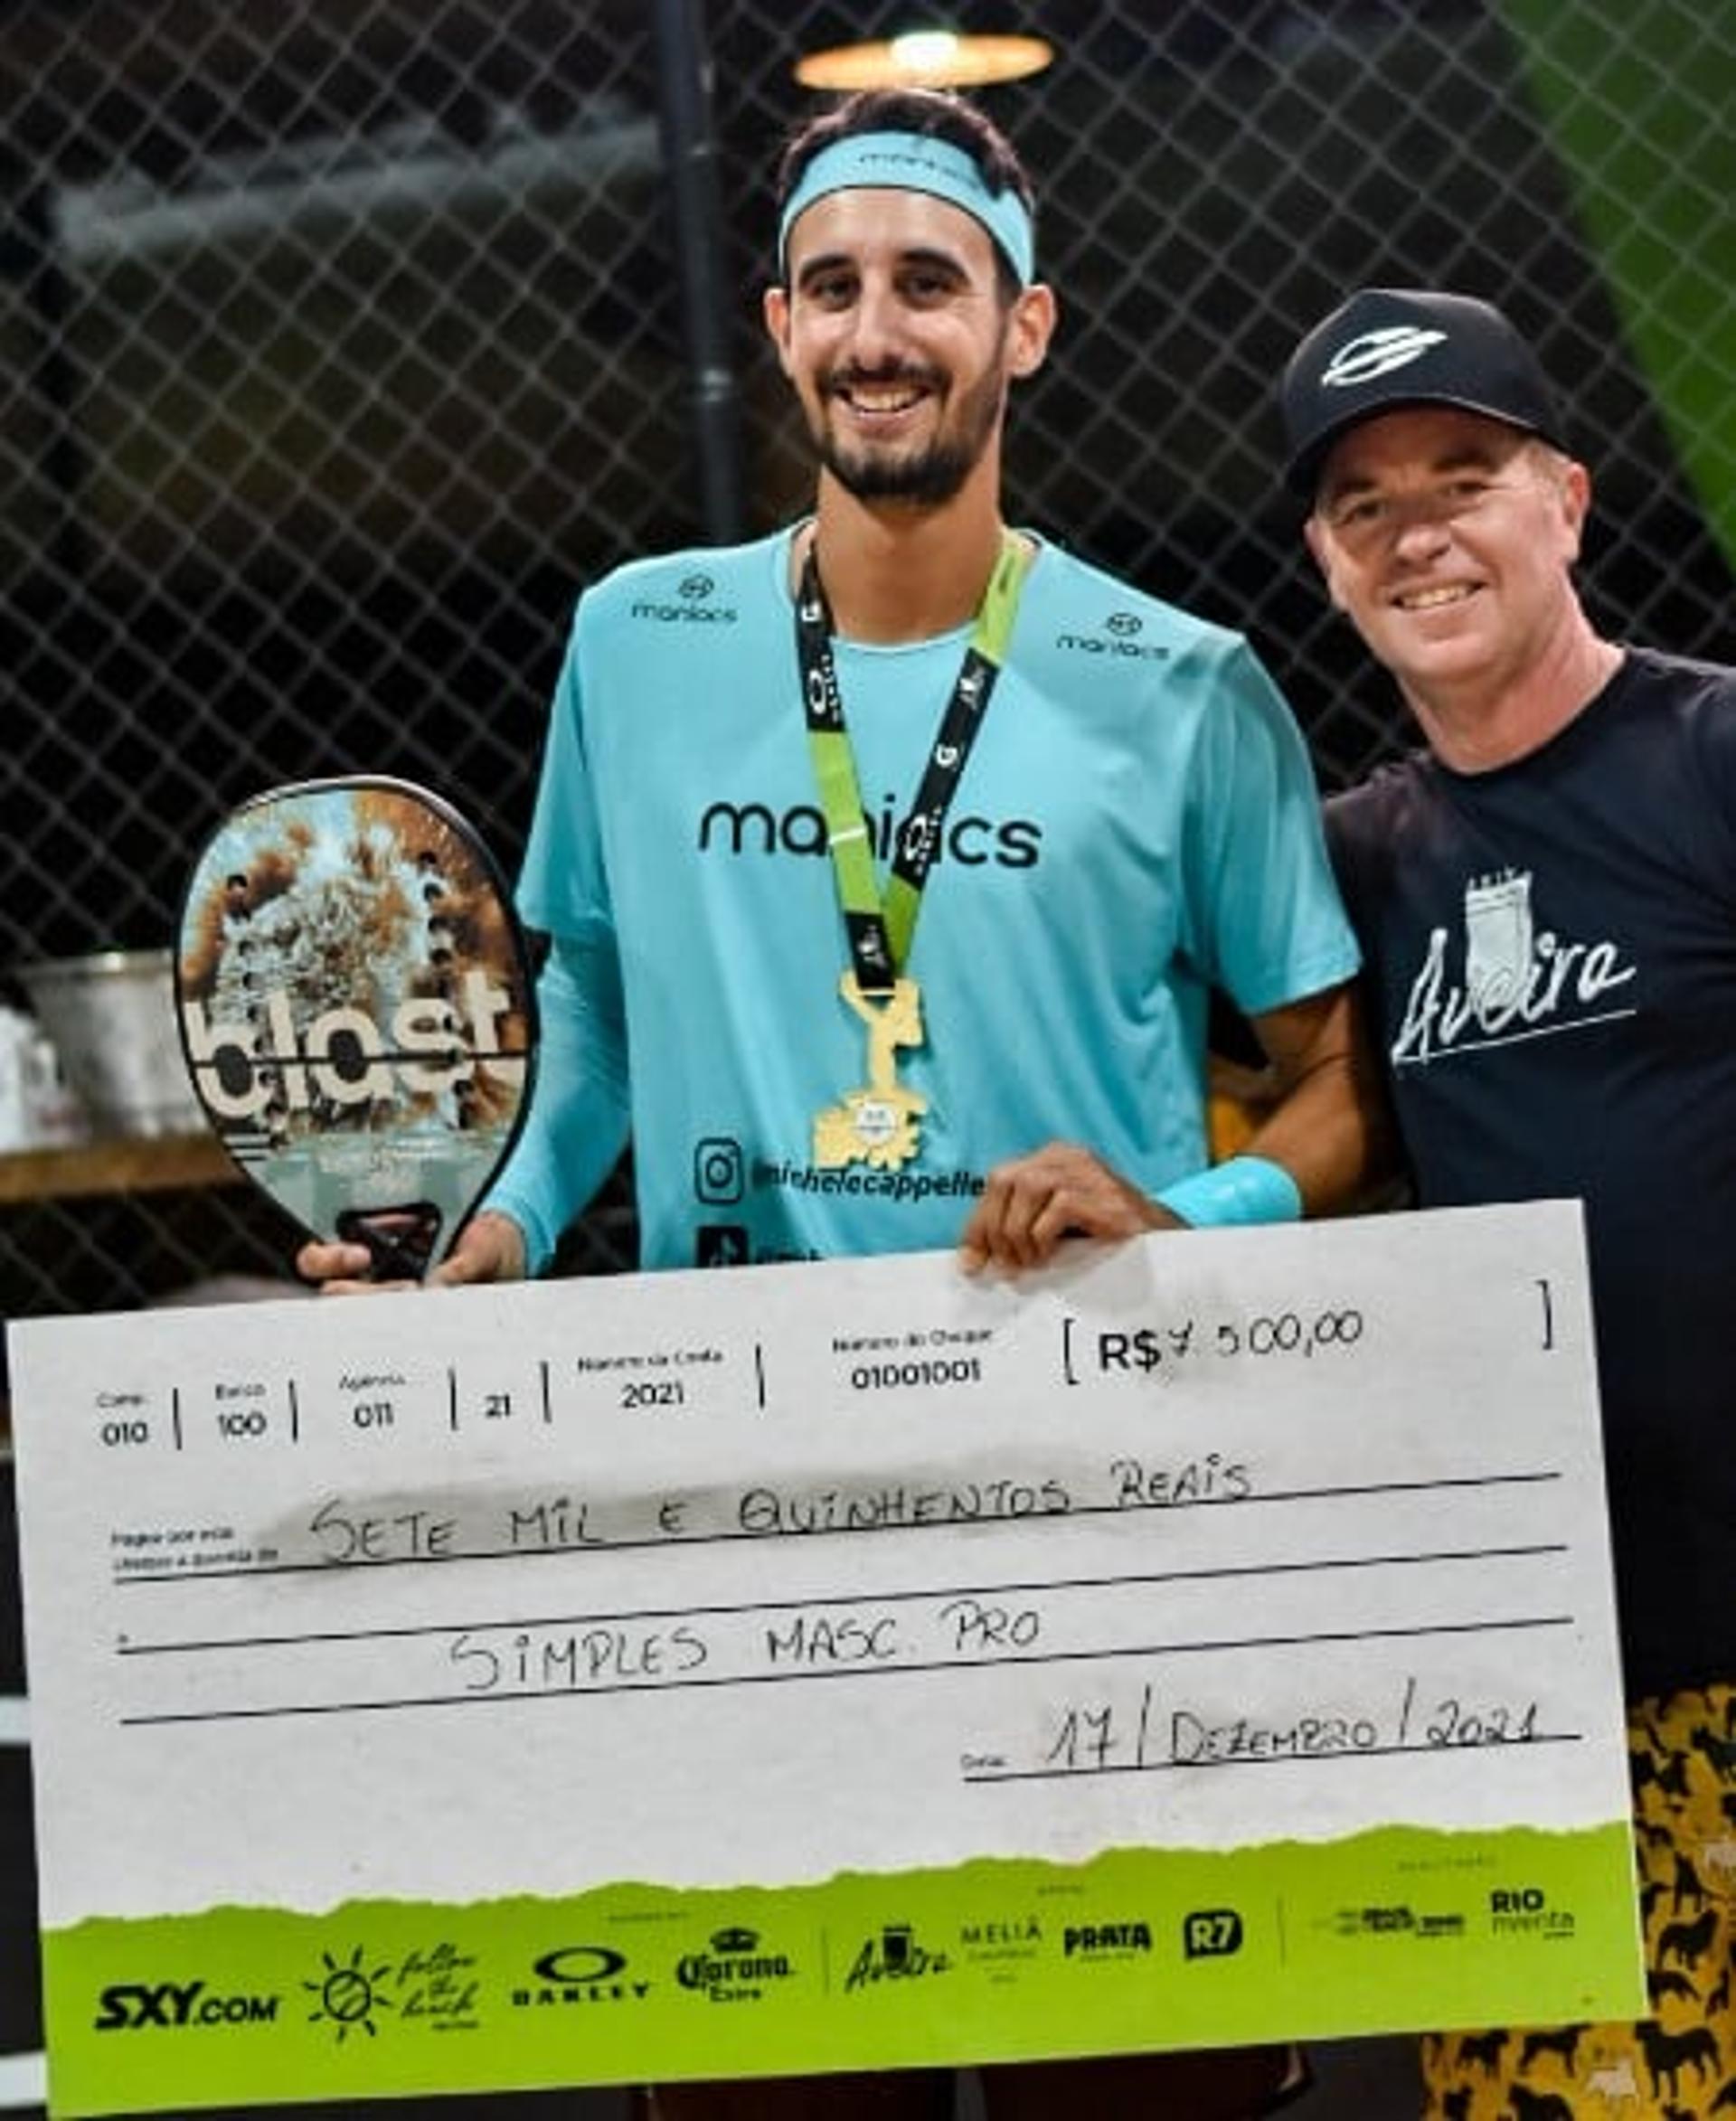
(879,1124)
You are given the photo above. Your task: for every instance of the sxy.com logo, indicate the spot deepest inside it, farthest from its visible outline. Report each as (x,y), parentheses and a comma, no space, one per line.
(178,2006)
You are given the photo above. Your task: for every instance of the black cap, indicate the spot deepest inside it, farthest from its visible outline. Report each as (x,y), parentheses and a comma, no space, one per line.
(1392,346)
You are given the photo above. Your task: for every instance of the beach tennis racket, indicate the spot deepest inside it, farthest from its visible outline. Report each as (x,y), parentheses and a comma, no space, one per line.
(355,1006)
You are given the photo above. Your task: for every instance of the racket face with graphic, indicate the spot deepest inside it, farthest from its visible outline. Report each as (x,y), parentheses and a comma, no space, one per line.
(356,1010)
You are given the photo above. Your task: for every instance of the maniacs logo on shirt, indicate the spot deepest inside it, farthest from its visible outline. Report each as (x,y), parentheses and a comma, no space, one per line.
(755,828)
(1517,983)
(1123,629)
(694,590)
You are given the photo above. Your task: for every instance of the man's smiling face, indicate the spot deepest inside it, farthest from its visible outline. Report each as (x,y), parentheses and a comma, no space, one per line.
(899,341)
(1446,538)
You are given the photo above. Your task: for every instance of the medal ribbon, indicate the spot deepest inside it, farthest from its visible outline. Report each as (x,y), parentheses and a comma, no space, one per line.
(880,927)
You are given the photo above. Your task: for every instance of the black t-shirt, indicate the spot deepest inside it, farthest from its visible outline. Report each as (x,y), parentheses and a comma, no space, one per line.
(1550,965)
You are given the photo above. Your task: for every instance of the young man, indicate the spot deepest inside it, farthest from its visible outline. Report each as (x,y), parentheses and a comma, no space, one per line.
(880,853)
(1546,901)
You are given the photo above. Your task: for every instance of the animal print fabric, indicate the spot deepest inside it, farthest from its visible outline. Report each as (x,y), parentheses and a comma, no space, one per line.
(1681,2061)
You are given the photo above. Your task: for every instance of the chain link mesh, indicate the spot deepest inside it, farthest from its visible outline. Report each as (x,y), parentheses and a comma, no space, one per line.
(342,341)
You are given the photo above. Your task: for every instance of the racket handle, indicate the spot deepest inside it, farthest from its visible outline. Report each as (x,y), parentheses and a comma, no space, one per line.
(400,1240)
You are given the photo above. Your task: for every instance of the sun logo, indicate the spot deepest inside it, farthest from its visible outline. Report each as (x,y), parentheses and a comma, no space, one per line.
(349,1995)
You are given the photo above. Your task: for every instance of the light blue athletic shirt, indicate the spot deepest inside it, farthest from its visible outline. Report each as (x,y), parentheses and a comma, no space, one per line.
(1137,821)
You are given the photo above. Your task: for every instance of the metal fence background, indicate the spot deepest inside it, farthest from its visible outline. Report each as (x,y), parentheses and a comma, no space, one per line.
(343,340)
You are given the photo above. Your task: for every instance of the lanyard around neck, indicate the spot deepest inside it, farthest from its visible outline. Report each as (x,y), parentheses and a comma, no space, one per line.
(880,928)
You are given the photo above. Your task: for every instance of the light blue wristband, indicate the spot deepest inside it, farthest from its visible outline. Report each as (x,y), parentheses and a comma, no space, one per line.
(1247,1189)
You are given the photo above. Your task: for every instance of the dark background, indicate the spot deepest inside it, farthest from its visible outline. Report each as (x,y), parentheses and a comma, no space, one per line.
(343,340)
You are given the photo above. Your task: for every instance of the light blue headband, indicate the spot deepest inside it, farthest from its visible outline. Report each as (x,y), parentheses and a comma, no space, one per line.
(914,162)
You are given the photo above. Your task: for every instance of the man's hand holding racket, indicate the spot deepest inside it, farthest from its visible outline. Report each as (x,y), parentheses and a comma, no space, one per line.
(490,1248)
(355,1006)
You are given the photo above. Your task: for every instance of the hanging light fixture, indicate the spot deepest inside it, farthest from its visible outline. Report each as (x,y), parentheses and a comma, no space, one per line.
(926,59)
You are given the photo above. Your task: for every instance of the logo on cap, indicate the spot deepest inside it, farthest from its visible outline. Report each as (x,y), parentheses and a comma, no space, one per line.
(1376,354)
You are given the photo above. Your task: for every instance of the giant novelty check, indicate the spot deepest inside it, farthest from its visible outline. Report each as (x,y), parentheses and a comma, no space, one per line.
(823,1667)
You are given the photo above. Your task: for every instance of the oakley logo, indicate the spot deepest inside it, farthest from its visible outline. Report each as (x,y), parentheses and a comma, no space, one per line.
(579,1965)
(917,837)
(1377,353)
(823,705)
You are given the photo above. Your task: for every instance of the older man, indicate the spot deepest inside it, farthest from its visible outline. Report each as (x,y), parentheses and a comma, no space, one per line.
(1545,894)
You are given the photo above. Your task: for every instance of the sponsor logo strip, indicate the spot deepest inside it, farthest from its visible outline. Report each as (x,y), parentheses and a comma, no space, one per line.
(989,1960)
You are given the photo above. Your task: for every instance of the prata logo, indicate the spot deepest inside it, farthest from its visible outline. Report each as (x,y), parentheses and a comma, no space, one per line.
(1105,1940)
(133,2006)
(1377,353)
(755,828)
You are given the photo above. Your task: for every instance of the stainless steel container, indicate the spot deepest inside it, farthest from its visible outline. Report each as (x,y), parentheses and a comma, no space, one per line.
(111,1020)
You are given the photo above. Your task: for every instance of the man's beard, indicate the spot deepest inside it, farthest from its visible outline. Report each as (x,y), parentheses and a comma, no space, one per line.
(926,477)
